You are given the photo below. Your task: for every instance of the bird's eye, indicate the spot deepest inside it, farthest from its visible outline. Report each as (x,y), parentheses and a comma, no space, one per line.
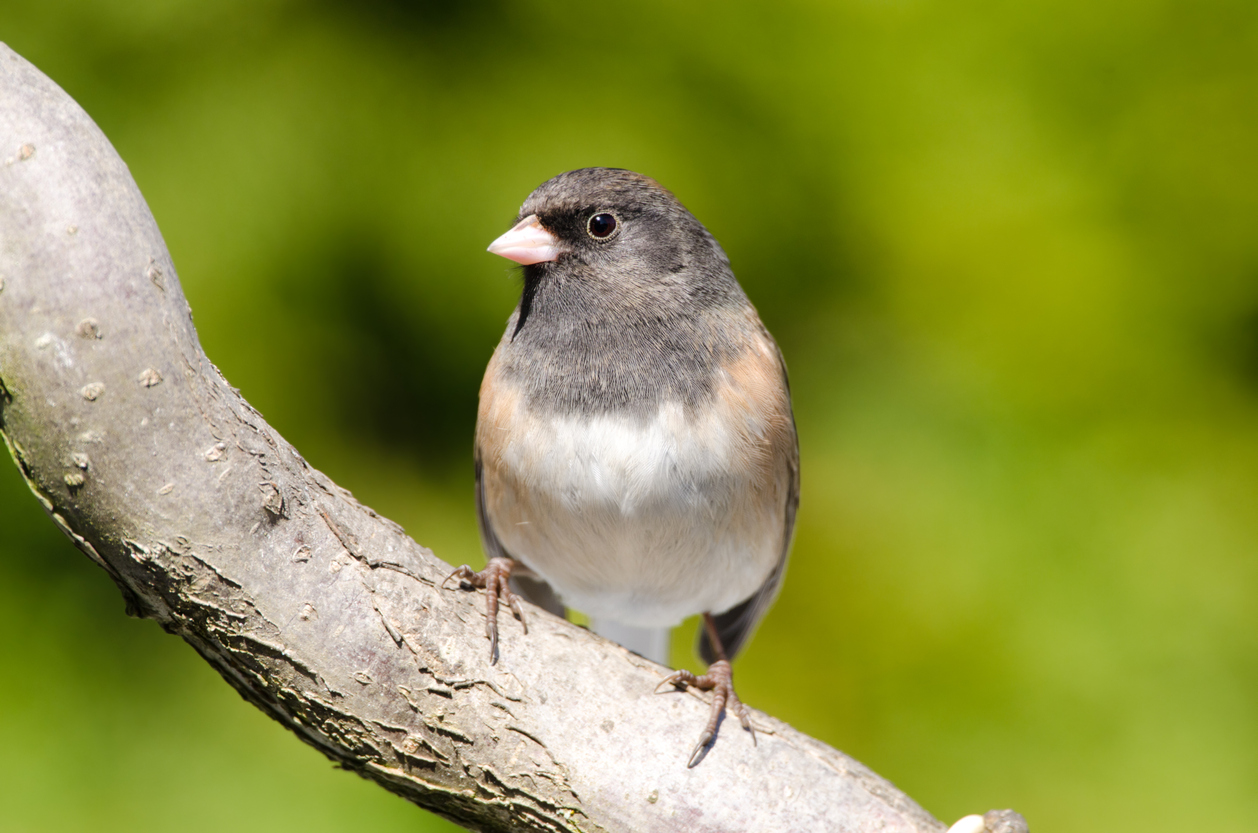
(601,226)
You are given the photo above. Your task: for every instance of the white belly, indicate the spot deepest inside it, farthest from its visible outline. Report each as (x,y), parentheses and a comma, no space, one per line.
(642,522)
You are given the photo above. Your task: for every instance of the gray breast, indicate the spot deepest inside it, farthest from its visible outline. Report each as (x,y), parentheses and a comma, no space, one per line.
(572,351)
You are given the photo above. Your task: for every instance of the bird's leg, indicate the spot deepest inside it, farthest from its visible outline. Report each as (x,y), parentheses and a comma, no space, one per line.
(720,681)
(493,579)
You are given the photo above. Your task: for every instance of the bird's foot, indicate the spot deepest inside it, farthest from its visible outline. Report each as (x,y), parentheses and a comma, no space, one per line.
(494,580)
(720,681)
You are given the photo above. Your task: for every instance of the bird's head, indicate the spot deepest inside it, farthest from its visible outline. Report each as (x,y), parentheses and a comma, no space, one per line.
(609,224)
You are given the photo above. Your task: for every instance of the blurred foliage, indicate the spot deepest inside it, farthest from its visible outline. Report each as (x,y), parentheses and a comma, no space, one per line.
(1009,250)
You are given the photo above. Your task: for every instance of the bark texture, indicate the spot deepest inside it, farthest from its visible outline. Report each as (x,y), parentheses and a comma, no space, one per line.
(318,611)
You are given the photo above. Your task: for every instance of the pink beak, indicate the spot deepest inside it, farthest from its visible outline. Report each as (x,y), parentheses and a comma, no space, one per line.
(527,243)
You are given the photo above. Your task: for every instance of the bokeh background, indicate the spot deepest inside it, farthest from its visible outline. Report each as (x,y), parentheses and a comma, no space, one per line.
(1010,251)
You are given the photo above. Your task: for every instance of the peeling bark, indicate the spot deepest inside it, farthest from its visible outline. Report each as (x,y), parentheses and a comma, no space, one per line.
(317,610)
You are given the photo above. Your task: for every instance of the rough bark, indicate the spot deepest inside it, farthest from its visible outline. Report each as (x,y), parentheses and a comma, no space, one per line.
(318,611)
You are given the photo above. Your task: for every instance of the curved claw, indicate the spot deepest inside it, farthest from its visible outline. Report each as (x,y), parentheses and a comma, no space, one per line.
(697,755)
(740,709)
(494,581)
(674,679)
(720,681)
(464,573)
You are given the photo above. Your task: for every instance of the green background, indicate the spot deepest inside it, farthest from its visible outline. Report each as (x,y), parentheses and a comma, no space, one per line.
(1010,251)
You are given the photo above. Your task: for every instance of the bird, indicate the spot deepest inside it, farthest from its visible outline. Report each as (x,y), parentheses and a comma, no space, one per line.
(636,455)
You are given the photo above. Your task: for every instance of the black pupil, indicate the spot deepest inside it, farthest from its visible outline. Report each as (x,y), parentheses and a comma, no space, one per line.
(602,225)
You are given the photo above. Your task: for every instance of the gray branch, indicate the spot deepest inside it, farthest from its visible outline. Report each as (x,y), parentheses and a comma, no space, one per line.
(317,610)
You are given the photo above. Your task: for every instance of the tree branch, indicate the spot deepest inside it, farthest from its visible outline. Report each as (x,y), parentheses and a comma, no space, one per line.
(318,611)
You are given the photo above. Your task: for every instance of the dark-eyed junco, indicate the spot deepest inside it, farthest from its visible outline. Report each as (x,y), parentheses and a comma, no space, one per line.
(635,447)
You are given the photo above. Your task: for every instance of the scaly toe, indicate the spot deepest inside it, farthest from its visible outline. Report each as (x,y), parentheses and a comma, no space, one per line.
(493,579)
